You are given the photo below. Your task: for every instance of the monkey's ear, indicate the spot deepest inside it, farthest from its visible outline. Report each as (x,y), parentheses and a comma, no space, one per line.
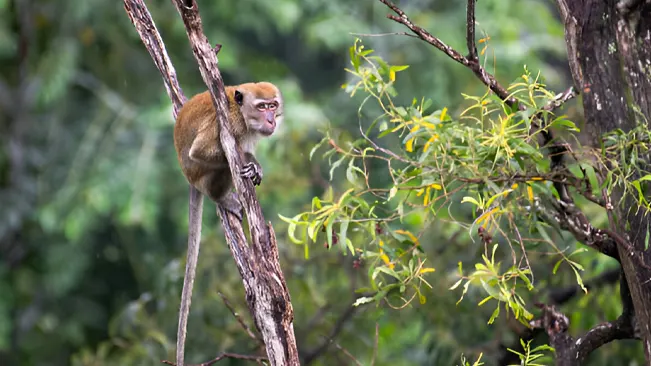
(239,98)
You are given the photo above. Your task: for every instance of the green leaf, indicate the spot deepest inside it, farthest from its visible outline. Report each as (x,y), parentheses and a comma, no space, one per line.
(363,300)
(495,314)
(456,284)
(317,146)
(471,200)
(343,231)
(392,192)
(291,229)
(335,165)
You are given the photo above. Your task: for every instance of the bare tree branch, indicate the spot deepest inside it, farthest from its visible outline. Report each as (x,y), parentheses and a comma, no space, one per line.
(473,64)
(241,321)
(571,351)
(224,356)
(312,355)
(266,291)
(470,31)
(142,20)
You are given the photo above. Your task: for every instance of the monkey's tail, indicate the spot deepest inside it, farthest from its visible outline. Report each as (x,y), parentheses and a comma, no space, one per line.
(194,239)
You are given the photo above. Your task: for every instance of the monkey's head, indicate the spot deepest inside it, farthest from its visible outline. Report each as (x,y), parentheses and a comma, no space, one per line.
(261,105)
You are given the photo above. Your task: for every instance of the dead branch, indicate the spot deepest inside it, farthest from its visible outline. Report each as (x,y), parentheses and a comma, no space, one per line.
(312,355)
(572,351)
(224,356)
(241,321)
(472,62)
(266,291)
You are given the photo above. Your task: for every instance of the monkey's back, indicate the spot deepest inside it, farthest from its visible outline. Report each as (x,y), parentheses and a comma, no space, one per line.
(197,124)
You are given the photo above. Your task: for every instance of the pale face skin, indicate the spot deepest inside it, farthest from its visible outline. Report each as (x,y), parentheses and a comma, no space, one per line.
(263,113)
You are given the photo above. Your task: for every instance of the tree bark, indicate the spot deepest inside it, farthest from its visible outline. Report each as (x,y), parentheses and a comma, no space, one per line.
(266,290)
(609,51)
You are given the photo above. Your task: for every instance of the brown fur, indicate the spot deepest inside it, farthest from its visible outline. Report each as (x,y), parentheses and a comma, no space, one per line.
(196,127)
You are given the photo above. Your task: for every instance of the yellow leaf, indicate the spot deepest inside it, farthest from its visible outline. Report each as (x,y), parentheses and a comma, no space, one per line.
(381,243)
(410,145)
(392,75)
(426,270)
(486,215)
(426,199)
(536,178)
(386,260)
(429,142)
(409,234)
(484,39)
(514,186)
(443,113)
(428,125)
(436,186)
(530,193)
(420,192)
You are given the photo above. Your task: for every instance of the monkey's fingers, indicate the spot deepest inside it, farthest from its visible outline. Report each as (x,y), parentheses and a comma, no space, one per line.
(252,171)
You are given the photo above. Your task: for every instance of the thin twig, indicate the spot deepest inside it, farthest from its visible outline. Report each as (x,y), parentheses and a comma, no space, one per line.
(239,319)
(473,64)
(348,354)
(375,345)
(383,34)
(224,356)
(560,99)
(336,329)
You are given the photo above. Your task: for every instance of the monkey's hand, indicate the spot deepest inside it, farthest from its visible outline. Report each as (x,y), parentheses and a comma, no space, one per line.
(253,171)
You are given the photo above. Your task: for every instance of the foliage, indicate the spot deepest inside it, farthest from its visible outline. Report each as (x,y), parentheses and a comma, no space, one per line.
(484,172)
(93,210)
(532,357)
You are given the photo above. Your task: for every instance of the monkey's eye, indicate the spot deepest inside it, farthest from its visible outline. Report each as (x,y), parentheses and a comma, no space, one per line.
(273,105)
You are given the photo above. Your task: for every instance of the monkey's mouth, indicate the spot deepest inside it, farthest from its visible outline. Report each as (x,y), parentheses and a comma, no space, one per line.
(268,128)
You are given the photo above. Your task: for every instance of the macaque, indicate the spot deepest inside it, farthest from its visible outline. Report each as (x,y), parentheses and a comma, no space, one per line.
(254,111)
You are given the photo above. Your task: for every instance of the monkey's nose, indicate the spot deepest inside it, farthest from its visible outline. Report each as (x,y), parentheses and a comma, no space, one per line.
(270,117)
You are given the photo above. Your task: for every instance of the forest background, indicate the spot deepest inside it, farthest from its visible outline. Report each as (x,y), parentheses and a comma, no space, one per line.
(93,208)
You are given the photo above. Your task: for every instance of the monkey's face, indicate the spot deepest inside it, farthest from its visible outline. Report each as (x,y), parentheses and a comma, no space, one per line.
(262,114)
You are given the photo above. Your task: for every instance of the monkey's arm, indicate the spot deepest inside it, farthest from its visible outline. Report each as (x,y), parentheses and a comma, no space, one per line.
(205,150)
(252,169)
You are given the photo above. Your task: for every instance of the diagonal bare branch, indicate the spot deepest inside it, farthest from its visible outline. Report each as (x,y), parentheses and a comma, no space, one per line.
(323,346)
(471,63)
(239,319)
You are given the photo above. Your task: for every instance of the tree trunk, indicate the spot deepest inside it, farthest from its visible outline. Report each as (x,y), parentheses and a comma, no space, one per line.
(609,51)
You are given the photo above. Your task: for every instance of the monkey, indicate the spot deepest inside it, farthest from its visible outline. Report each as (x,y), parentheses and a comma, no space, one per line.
(254,111)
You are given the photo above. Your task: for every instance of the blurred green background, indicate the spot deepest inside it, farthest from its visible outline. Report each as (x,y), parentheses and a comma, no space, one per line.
(93,207)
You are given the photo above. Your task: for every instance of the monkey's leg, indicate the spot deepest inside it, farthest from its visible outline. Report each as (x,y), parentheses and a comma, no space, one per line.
(232,204)
(252,169)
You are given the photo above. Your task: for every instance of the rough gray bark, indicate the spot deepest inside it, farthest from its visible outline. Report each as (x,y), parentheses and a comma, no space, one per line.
(609,51)
(266,291)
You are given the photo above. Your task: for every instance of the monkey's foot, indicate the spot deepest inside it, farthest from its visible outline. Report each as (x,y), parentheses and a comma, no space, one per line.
(253,171)
(232,204)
